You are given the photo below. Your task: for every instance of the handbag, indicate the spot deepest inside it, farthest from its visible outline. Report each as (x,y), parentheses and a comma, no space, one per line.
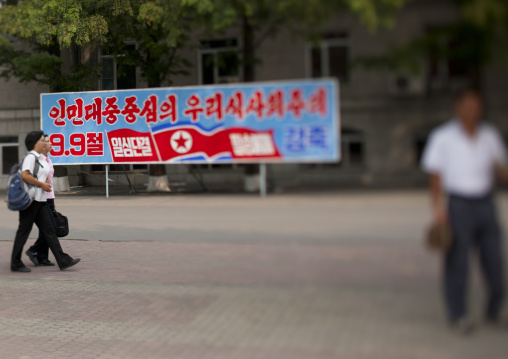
(62,224)
(439,237)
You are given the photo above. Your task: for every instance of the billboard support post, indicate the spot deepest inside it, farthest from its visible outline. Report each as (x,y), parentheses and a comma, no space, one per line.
(262,179)
(107,181)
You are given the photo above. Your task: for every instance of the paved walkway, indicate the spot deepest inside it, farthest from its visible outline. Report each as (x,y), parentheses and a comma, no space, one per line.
(330,275)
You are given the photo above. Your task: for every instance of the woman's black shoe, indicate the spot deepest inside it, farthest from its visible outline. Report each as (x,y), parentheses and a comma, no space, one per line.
(46,262)
(22,269)
(70,264)
(32,256)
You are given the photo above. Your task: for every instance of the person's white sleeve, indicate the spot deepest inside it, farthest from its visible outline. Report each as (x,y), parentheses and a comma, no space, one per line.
(432,159)
(499,149)
(28,164)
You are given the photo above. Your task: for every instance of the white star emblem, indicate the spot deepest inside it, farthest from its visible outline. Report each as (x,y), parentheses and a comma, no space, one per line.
(181,141)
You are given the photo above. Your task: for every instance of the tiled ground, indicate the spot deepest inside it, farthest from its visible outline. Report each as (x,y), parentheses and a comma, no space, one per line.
(359,299)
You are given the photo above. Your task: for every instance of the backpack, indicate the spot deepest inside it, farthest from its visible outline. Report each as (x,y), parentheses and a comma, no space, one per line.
(19,193)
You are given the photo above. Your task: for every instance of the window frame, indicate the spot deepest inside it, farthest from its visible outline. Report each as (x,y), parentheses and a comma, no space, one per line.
(115,65)
(324,47)
(109,57)
(346,140)
(215,52)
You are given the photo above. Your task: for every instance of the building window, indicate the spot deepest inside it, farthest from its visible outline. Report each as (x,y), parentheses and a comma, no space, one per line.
(419,143)
(419,148)
(443,71)
(353,148)
(452,57)
(116,75)
(8,153)
(218,61)
(330,58)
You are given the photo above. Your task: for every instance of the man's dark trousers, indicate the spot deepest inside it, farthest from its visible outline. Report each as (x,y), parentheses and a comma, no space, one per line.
(41,246)
(474,225)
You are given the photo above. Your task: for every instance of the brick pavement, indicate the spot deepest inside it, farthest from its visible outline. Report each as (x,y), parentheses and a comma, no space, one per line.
(244,299)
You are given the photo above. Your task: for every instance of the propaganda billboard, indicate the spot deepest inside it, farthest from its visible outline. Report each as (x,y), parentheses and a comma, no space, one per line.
(293,121)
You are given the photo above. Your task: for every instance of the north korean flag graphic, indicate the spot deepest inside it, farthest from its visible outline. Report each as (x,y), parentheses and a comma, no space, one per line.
(131,146)
(179,142)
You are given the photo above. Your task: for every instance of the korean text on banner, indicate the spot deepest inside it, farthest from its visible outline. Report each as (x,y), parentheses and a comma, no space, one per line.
(295,121)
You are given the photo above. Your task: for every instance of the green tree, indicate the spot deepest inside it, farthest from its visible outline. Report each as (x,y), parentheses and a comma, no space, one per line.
(491,18)
(160,30)
(44,29)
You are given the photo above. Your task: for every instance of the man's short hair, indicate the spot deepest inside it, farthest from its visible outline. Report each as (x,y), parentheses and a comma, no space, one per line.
(463,93)
(32,138)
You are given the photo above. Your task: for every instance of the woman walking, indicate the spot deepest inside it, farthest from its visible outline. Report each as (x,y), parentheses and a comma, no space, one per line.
(38,253)
(37,212)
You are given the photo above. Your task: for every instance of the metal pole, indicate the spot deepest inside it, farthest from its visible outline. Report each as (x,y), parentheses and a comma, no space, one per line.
(107,181)
(262,179)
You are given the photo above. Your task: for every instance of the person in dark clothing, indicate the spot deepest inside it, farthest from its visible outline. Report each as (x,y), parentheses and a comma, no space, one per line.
(37,212)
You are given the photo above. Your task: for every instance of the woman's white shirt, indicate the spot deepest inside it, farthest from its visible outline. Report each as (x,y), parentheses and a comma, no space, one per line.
(42,174)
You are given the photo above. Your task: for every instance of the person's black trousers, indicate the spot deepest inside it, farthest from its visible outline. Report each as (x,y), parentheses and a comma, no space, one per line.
(474,225)
(40,246)
(37,213)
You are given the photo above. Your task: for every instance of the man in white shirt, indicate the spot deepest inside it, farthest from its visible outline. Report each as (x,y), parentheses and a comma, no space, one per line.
(461,158)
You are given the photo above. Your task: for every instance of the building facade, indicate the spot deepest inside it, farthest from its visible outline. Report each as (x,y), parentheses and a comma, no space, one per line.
(386,116)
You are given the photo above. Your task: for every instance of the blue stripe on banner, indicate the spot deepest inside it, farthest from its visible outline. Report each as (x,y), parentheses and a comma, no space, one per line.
(198,125)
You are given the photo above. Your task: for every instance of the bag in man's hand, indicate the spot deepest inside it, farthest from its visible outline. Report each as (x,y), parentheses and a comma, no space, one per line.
(62,224)
(439,238)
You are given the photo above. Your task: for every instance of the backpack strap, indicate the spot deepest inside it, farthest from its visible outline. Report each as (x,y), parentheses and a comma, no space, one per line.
(37,165)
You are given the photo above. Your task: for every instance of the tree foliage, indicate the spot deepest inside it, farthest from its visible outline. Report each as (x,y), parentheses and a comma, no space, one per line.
(44,28)
(470,42)
(299,14)
(491,16)
(260,19)
(160,29)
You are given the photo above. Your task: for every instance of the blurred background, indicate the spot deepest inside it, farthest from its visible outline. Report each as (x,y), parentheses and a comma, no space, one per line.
(327,266)
(398,63)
